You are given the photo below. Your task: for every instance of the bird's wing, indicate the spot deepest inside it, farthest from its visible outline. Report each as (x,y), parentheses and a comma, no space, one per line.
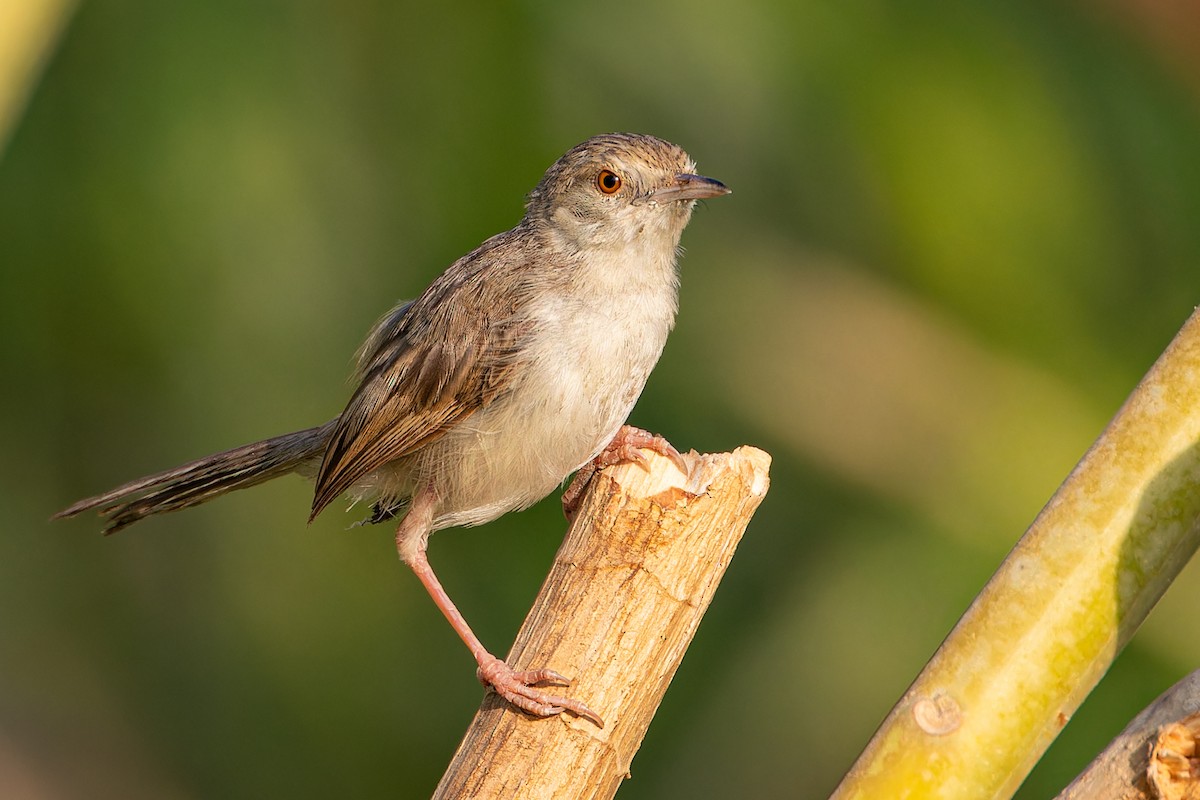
(425,367)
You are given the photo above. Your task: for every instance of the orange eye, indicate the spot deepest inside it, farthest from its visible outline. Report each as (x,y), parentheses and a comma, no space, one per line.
(608,181)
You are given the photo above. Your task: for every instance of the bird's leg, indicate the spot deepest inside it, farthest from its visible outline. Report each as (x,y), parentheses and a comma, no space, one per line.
(412,538)
(625,446)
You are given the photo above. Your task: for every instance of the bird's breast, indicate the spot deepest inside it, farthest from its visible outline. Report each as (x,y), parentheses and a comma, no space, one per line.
(582,368)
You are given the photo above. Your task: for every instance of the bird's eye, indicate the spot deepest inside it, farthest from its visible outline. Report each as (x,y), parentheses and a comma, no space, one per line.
(608,181)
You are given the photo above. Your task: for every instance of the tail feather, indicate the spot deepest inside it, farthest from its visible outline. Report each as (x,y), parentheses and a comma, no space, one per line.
(201,480)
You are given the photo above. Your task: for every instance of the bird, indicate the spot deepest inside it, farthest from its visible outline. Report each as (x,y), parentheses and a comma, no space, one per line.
(516,367)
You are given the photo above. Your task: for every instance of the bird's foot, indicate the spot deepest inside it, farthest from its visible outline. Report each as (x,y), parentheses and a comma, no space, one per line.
(625,446)
(518,688)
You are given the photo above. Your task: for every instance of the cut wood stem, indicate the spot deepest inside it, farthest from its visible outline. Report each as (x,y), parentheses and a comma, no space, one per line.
(624,597)
(1124,771)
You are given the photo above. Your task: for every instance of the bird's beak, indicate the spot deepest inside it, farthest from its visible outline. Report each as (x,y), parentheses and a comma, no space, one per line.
(690,187)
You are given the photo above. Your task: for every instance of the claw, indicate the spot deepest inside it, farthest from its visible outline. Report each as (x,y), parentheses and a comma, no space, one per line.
(674,455)
(631,453)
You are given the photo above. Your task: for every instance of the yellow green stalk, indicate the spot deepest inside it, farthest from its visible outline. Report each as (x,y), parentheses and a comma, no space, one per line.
(1069,596)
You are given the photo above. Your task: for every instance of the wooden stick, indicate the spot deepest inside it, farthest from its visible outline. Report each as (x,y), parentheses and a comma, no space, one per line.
(623,599)
(1139,764)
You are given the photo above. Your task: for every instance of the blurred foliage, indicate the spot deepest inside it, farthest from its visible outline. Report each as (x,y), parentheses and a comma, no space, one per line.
(959,235)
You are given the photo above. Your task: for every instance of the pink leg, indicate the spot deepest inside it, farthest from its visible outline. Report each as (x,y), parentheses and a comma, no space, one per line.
(625,446)
(412,536)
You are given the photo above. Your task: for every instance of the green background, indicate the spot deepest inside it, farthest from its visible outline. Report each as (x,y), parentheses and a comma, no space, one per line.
(959,235)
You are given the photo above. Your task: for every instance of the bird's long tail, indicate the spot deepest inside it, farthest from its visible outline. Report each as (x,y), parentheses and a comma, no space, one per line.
(199,481)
